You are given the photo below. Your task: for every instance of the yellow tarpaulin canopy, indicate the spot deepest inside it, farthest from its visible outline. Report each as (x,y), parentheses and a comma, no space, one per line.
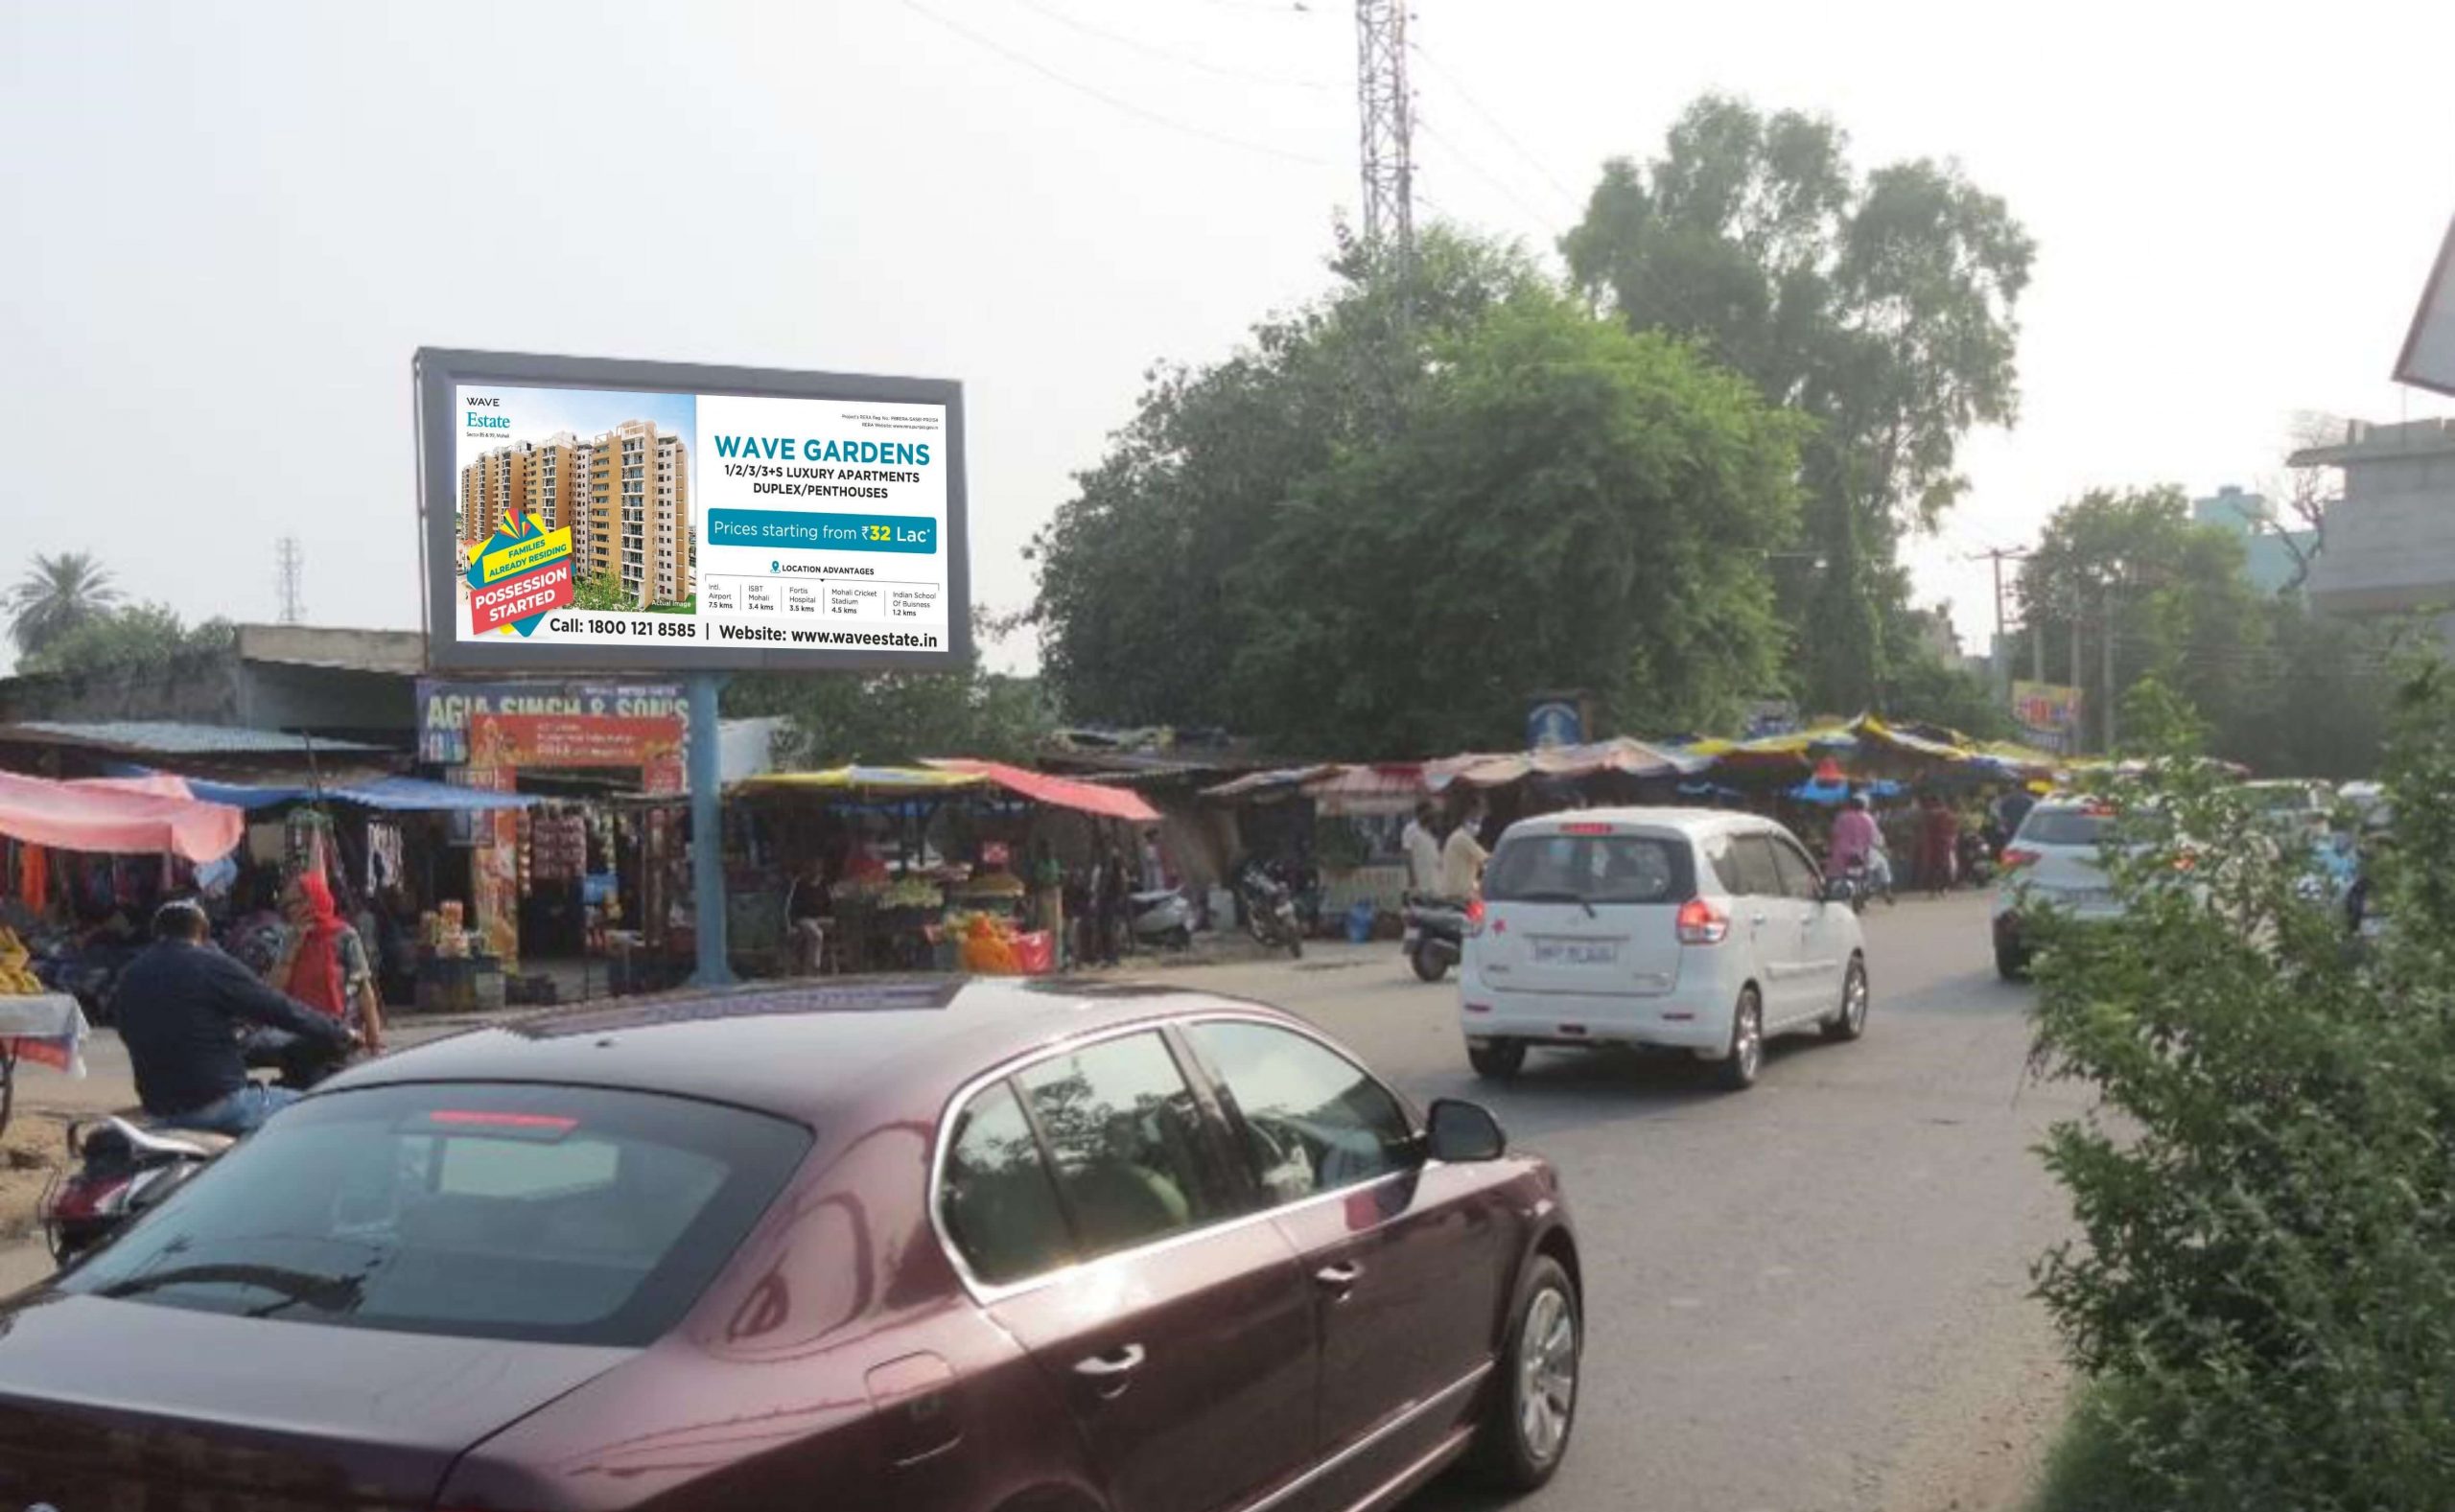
(881,782)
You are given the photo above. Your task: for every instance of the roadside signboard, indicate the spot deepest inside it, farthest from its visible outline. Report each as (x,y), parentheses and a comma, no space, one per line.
(584,514)
(2049,714)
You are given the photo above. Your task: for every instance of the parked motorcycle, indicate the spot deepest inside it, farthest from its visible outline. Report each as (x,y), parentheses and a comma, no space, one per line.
(121,1169)
(1436,934)
(1164,916)
(1270,909)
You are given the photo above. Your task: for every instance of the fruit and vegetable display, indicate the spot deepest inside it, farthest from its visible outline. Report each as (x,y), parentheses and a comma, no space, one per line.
(17,972)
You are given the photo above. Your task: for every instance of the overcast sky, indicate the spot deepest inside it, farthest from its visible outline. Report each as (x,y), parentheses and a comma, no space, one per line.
(227,226)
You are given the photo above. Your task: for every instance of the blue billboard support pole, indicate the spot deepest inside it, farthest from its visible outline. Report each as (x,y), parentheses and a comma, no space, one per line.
(708,832)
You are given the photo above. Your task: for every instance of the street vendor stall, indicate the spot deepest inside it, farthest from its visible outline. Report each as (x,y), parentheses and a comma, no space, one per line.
(37,1022)
(913,868)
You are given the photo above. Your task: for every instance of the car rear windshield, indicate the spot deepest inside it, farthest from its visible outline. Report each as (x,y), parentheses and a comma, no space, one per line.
(520,1211)
(2064,826)
(1590,869)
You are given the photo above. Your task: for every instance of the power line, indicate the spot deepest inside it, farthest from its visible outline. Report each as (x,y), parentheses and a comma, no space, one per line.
(1493,121)
(1165,54)
(1128,106)
(1541,218)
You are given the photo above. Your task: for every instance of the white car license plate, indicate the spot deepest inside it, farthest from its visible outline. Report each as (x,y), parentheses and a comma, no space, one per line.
(1575,952)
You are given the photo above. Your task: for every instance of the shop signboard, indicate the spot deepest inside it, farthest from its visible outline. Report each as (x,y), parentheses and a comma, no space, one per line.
(626,717)
(599,515)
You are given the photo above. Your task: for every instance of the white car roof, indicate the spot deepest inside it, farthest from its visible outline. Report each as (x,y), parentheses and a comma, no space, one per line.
(1690,821)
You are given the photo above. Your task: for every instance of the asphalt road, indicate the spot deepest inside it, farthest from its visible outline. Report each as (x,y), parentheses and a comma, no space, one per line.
(1808,1298)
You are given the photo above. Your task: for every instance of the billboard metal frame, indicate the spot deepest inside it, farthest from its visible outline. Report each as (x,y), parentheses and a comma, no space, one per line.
(436,374)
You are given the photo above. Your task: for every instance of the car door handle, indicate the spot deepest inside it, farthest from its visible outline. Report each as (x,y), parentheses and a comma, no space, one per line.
(1340,1278)
(1107,1374)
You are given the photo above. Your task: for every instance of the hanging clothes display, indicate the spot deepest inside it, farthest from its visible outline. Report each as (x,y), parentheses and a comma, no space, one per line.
(383,851)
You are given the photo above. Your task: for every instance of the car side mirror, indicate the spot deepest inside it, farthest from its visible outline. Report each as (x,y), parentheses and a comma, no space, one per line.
(1458,1132)
(1836,889)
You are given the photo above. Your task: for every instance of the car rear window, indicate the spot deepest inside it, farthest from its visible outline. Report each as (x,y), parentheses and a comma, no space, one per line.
(2064,826)
(520,1211)
(1590,869)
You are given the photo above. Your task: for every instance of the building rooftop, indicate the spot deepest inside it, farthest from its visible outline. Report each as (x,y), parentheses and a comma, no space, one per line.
(151,737)
(2364,442)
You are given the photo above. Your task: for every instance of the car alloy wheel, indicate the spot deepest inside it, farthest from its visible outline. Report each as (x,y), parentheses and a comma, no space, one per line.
(1739,1068)
(1850,1021)
(1546,1358)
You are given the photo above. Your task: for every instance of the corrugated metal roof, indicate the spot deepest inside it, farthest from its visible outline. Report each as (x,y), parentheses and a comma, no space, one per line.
(167,737)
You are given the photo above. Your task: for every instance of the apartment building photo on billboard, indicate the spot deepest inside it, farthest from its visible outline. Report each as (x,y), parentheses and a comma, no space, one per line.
(612,468)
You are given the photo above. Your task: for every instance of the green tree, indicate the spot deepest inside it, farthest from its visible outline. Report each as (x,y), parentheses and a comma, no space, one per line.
(1557,503)
(2181,609)
(2261,1290)
(123,639)
(57,595)
(895,718)
(1378,537)
(1135,610)
(1882,305)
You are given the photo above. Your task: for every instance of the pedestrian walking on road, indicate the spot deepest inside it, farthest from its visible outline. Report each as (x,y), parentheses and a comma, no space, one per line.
(1110,905)
(1939,842)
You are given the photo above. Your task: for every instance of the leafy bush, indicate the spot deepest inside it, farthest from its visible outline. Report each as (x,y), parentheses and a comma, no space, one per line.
(2266,1295)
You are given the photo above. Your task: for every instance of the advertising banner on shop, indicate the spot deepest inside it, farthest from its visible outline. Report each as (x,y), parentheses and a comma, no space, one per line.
(628,515)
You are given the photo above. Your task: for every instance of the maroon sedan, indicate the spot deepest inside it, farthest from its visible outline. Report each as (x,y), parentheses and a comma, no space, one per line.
(865,1246)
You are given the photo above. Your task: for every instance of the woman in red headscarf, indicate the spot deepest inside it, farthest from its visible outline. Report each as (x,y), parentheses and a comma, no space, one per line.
(323,964)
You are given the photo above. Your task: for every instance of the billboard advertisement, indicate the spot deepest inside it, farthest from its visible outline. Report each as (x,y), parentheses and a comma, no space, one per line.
(631,515)
(2049,714)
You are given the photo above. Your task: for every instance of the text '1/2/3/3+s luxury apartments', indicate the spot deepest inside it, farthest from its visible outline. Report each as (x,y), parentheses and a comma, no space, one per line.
(625,497)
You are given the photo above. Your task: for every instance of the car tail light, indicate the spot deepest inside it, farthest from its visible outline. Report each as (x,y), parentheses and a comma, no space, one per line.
(1586,828)
(76,1201)
(1474,916)
(1701,923)
(2017,857)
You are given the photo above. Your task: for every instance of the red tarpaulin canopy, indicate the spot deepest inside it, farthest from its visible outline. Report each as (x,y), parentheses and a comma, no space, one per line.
(1108,803)
(76,816)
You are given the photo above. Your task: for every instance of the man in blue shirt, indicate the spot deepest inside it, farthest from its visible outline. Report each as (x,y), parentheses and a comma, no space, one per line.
(181,1005)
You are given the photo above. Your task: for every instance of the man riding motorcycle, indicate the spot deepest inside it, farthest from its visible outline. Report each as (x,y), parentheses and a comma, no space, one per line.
(182,1006)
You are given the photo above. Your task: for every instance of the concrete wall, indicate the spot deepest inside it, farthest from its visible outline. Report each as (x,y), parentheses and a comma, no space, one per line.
(194,690)
(2391,541)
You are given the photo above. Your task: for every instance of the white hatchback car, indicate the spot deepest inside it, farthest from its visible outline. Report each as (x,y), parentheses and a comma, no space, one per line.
(1693,929)
(2057,860)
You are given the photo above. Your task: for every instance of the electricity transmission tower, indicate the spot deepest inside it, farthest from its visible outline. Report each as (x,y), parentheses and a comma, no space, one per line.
(1385,113)
(291,563)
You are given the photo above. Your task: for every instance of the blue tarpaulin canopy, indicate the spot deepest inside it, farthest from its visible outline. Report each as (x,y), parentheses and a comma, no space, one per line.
(393,794)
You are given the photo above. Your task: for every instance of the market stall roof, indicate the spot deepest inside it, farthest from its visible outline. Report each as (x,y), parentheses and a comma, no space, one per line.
(870,781)
(399,795)
(75,816)
(1108,803)
(1567,763)
(1275,783)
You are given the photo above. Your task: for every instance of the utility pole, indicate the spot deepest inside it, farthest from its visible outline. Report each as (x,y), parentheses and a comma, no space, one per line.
(291,563)
(1384,110)
(2105,654)
(2080,723)
(1998,655)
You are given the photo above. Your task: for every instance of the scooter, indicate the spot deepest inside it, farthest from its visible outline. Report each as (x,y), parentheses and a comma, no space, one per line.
(1164,916)
(121,1170)
(1436,934)
(1270,909)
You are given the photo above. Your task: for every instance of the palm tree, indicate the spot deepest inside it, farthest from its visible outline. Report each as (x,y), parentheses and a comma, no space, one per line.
(57,595)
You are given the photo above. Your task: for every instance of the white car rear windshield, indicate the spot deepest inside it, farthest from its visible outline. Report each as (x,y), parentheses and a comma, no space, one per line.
(1590,869)
(2064,826)
(557,1214)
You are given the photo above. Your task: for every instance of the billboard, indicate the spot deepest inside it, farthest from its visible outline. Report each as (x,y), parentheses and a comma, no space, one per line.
(2048,716)
(587,514)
